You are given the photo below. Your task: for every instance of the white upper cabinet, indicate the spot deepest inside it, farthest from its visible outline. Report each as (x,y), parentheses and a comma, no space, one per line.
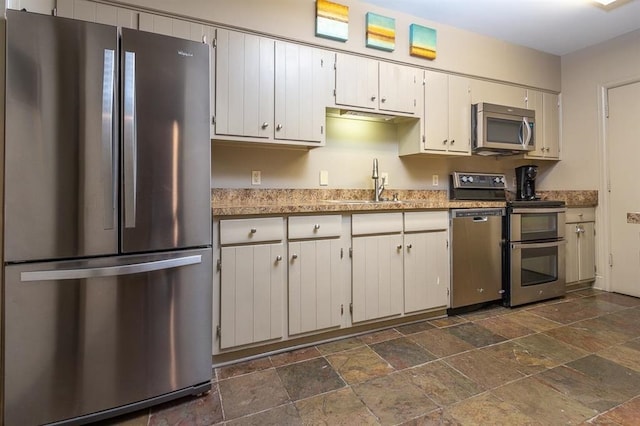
(303,86)
(445,127)
(547,136)
(244,85)
(268,91)
(376,85)
(497,93)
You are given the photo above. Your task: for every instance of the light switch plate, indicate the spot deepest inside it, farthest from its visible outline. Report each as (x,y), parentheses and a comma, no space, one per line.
(256,177)
(434,180)
(324,178)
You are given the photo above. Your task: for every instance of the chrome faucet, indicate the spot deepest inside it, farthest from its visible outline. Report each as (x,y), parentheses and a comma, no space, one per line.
(377,182)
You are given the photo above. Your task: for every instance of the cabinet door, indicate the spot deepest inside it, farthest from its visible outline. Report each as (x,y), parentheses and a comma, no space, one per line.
(304,82)
(314,285)
(436,114)
(551,125)
(586,251)
(399,88)
(377,277)
(426,271)
(572,265)
(356,81)
(497,93)
(252,284)
(459,115)
(535,102)
(244,84)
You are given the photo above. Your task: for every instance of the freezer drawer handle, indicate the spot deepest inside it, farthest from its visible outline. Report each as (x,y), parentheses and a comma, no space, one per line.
(108,82)
(109,271)
(130,142)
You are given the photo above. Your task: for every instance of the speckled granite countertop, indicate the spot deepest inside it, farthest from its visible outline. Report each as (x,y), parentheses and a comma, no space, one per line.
(240,202)
(633,218)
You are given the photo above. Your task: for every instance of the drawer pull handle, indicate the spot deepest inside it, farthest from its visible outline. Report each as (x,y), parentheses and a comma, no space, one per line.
(254,230)
(316,226)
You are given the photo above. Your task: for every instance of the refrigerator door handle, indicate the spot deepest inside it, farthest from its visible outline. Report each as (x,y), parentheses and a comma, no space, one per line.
(108,85)
(130,140)
(109,271)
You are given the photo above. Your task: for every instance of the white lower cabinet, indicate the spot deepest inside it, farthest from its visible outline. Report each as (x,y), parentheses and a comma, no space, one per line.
(316,257)
(580,250)
(426,261)
(252,280)
(377,281)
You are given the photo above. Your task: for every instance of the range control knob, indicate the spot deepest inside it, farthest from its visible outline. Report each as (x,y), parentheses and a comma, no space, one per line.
(464,179)
(471,179)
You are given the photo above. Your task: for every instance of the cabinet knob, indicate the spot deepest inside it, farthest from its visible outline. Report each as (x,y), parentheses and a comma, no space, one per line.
(279,127)
(278,258)
(294,256)
(481,290)
(373,98)
(444,142)
(399,246)
(383,100)
(265,125)
(453,141)
(409,246)
(316,226)
(253,230)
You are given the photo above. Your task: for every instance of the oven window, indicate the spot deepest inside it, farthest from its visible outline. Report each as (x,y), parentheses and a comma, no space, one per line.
(538,226)
(539,265)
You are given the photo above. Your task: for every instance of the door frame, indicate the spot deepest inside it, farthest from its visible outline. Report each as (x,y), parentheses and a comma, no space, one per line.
(603,210)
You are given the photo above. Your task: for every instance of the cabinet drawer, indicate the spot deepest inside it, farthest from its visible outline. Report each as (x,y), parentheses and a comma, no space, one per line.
(426,221)
(315,226)
(586,214)
(376,223)
(242,231)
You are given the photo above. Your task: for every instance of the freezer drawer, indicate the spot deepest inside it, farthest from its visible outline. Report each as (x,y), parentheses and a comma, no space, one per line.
(86,336)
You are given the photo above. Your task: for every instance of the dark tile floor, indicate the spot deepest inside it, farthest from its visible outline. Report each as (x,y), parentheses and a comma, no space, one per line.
(574,360)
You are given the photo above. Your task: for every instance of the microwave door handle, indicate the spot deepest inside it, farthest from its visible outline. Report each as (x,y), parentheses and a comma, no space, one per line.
(525,124)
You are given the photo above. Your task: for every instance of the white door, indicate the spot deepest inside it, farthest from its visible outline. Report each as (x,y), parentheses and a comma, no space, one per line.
(623,147)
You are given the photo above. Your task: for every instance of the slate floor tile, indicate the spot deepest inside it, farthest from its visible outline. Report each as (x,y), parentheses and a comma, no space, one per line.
(308,378)
(416,327)
(486,409)
(359,365)
(284,415)
(505,326)
(485,370)
(252,393)
(475,335)
(609,375)
(554,350)
(341,407)
(402,353)
(440,342)
(443,384)
(295,356)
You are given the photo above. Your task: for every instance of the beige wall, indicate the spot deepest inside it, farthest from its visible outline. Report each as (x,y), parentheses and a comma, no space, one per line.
(583,72)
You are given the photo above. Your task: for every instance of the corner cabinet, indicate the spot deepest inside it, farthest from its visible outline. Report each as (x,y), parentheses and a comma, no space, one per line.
(445,127)
(252,280)
(270,91)
(580,249)
(547,108)
(377,86)
(377,268)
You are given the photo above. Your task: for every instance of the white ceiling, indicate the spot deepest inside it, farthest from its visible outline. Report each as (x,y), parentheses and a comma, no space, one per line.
(554,26)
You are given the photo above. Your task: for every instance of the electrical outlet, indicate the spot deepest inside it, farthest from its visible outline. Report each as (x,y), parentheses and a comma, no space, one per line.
(324,178)
(256,178)
(385,177)
(434,180)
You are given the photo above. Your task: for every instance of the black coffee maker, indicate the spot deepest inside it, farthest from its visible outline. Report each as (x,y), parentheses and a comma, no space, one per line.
(526,182)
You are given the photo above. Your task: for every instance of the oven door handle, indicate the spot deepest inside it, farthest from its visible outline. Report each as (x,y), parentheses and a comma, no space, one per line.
(535,210)
(516,246)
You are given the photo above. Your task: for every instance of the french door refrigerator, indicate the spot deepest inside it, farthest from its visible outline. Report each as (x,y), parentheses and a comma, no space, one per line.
(107,273)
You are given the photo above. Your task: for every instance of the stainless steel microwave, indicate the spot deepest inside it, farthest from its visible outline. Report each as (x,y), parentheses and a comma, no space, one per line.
(502,130)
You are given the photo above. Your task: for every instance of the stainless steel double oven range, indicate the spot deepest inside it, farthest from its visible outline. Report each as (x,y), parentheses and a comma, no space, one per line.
(533,252)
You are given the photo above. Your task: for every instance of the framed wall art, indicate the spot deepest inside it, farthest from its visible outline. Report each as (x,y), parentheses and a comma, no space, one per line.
(332,20)
(381,32)
(422,41)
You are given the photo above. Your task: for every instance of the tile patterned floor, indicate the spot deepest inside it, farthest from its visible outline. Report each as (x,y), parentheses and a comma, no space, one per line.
(574,360)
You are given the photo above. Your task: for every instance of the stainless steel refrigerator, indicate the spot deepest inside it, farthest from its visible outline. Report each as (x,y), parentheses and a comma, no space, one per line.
(107,273)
